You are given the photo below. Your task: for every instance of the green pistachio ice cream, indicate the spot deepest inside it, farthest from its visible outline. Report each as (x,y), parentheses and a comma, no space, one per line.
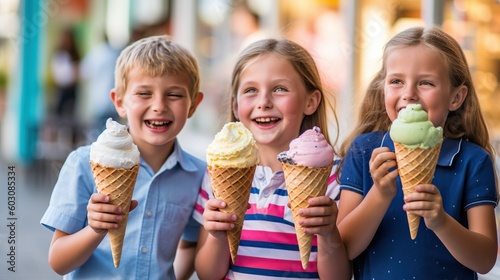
(413,129)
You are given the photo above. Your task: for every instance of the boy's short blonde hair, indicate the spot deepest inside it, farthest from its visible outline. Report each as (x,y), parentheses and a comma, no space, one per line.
(157,56)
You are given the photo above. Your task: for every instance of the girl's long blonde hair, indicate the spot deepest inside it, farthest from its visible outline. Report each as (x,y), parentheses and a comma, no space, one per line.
(303,64)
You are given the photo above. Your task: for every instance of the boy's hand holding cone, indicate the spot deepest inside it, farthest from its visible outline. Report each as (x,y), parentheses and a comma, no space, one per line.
(417,145)
(307,166)
(231,159)
(114,160)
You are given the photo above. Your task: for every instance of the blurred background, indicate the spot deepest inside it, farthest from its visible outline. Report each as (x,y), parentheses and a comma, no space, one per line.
(57,61)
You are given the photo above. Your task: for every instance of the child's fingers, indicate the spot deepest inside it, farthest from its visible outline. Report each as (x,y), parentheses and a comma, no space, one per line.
(99,226)
(319,206)
(214,204)
(219,216)
(426,192)
(104,217)
(103,207)
(101,222)
(99,198)
(133,204)
(321,201)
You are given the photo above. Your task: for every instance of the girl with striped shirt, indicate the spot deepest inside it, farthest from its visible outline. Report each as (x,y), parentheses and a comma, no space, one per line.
(277,94)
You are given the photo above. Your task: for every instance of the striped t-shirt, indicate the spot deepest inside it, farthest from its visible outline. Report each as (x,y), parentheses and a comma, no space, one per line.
(268,247)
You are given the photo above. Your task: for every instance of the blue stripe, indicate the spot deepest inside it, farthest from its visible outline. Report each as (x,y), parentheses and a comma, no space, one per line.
(269,245)
(268,218)
(254,190)
(275,273)
(281,192)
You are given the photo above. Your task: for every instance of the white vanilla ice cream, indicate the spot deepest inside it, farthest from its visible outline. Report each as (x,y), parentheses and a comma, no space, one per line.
(114,147)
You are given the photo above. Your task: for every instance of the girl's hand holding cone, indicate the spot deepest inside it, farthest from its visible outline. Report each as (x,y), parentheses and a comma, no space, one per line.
(384,180)
(216,222)
(426,202)
(320,217)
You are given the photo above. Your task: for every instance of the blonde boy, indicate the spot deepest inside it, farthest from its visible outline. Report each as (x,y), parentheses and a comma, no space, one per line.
(157,85)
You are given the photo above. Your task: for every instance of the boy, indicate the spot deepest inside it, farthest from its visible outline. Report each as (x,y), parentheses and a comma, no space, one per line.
(157,89)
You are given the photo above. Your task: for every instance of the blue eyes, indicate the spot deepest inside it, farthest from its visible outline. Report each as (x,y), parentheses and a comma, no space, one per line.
(422,83)
(254,90)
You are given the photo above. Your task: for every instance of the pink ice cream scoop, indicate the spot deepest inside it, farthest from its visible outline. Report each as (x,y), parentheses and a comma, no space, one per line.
(309,149)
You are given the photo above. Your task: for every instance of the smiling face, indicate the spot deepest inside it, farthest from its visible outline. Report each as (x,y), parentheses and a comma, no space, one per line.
(272,100)
(156,108)
(419,75)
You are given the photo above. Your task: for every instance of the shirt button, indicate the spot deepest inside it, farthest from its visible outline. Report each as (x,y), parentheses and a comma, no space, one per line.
(144,250)
(259,176)
(149,213)
(266,193)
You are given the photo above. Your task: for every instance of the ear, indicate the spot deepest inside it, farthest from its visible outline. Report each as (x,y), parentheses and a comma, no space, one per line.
(312,102)
(195,104)
(235,108)
(118,102)
(458,97)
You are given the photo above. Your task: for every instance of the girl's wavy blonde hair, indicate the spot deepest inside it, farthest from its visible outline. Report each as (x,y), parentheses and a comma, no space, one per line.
(303,64)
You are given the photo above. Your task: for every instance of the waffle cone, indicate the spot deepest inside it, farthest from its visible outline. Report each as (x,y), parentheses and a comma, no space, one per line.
(415,167)
(303,183)
(118,184)
(233,185)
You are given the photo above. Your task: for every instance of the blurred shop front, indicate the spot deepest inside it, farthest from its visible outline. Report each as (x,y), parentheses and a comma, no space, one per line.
(345,37)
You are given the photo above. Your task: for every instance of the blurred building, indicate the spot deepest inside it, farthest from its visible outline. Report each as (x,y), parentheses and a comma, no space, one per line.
(345,37)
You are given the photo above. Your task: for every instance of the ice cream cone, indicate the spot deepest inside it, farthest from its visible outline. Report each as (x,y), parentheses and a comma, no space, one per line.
(303,183)
(233,185)
(118,184)
(415,167)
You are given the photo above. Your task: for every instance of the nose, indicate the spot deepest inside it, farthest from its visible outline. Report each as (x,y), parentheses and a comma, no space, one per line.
(265,101)
(410,93)
(159,104)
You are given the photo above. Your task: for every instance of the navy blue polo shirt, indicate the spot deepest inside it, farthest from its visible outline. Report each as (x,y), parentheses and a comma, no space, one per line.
(465,178)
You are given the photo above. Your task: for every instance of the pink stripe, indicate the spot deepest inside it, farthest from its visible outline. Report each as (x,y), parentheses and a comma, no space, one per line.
(204,194)
(332,179)
(199,209)
(274,237)
(267,236)
(272,210)
(274,264)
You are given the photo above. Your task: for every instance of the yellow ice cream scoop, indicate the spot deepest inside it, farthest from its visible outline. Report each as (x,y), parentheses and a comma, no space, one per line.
(233,146)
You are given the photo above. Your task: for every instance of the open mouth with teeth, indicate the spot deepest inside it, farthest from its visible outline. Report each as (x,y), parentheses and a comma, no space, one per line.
(264,121)
(157,124)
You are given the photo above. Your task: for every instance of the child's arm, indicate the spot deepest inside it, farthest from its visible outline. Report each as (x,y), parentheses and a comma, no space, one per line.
(69,251)
(184,259)
(320,218)
(475,247)
(213,257)
(359,218)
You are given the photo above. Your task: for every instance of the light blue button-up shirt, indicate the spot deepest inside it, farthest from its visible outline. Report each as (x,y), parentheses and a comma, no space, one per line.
(166,202)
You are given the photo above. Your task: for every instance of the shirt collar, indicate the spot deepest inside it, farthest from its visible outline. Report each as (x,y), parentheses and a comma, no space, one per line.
(177,156)
(449,149)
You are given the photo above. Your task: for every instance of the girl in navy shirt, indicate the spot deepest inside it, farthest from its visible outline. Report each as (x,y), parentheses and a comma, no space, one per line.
(427,67)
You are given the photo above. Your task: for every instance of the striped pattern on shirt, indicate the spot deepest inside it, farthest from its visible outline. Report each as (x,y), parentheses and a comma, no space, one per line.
(268,248)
